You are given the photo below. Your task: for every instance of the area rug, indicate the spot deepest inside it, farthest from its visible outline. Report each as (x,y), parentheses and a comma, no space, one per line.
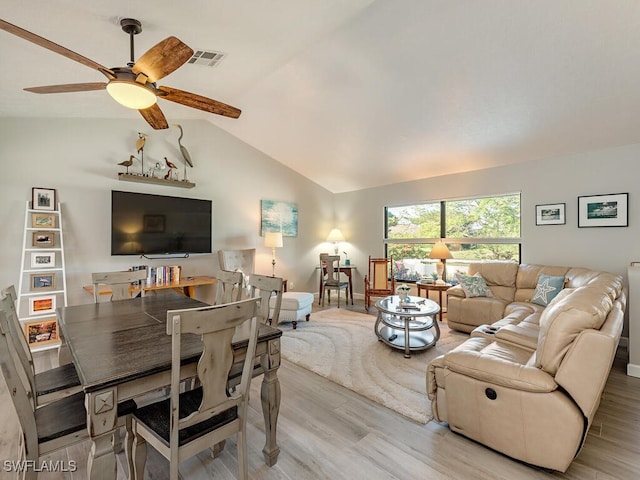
(341,346)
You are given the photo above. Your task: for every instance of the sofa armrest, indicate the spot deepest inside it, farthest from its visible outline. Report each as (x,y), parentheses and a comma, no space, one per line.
(456,291)
(432,382)
(499,363)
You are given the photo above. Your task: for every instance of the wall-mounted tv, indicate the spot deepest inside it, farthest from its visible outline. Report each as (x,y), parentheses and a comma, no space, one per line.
(144,224)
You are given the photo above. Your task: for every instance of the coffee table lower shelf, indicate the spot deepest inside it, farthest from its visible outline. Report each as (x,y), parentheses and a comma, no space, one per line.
(395,338)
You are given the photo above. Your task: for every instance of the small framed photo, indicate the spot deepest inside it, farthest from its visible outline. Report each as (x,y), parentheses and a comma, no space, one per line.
(153,224)
(43,281)
(43,239)
(43,220)
(43,259)
(610,210)
(43,198)
(40,305)
(42,332)
(551,214)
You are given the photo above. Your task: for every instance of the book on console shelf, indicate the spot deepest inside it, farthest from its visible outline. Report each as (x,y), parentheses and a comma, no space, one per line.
(164,275)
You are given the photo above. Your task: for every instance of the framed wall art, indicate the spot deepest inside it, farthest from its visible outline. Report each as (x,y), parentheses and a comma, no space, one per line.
(42,332)
(43,220)
(610,210)
(551,214)
(40,305)
(43,281)
(279,217)
(43,239)
(43,198)
(43,259)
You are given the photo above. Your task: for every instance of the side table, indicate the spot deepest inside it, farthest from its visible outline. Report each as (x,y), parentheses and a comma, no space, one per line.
(436,288)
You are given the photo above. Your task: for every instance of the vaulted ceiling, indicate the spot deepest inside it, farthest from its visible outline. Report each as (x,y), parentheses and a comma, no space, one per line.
(360,93)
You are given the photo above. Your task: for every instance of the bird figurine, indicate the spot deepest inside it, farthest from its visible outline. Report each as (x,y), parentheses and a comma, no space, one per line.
(183,149)
(142,138)
(128,163)
(171,166)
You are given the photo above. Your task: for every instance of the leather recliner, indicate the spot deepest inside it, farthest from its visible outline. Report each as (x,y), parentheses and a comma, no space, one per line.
(534,400)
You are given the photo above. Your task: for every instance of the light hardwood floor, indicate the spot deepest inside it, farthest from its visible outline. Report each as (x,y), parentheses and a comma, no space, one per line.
(325,431)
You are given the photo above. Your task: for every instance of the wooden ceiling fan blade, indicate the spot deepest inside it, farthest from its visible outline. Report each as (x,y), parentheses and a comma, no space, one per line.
(68,87)
(54,47)
(162,59)
(154,117)
(197,101)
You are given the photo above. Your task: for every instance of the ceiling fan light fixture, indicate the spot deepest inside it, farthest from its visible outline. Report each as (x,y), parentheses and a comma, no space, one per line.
(131,94)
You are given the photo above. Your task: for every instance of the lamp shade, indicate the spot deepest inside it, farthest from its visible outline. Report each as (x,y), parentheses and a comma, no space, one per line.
(440,251)
(273,239)
(335,235)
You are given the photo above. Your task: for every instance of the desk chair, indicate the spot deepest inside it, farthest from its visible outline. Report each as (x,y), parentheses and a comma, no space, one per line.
(120,283)
(228,282)
(46,386)
(49,428)
(331,281)
(379,281)
(190,422)
(269,289)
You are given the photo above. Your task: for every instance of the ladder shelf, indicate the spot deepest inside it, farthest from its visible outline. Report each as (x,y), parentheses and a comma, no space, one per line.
(43,285)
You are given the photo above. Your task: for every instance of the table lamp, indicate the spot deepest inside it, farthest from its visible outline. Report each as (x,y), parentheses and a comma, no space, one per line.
(273,240)
(442,253)
(335,236)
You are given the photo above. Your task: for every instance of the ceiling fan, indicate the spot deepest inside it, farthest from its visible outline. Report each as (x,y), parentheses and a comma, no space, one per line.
(133,86)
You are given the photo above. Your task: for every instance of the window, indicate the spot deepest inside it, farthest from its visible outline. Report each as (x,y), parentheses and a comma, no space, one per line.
(474,229)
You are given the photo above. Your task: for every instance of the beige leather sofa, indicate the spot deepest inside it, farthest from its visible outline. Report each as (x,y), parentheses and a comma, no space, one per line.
(529,382)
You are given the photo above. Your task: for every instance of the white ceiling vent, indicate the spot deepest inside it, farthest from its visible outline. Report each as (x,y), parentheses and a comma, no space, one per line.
(207,58)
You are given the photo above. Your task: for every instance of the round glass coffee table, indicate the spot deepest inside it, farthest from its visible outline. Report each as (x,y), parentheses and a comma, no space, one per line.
(408,325)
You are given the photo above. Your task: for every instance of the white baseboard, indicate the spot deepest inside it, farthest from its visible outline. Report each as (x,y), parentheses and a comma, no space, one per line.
(633,370)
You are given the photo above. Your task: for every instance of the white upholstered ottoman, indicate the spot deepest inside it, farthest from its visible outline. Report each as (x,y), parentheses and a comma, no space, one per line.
(295,306)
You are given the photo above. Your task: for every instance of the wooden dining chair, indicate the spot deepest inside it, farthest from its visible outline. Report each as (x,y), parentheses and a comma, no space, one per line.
(269,289)
(229,286)
(190,422)
(119,282)
(379,281)
(50,384)
(331,280)
(51,427)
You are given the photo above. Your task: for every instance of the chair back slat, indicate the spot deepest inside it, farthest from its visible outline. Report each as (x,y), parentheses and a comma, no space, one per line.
(20,348)
(217,325)
(229,286)
(266,287)
(20,394)
(333,268)
(119,282)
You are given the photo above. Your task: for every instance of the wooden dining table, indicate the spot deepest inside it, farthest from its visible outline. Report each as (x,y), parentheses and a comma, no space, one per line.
(121,351)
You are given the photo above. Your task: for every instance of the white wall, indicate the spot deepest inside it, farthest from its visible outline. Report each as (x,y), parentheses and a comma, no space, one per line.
(558,180)
(79,157)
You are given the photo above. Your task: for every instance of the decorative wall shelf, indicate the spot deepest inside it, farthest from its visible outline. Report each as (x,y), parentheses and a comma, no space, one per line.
(128,177)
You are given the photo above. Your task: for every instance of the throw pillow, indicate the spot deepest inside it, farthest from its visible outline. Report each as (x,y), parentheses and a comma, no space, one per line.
(547,289)
(474,285)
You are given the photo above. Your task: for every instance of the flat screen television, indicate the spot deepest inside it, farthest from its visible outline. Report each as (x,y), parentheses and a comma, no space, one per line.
(144,224)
